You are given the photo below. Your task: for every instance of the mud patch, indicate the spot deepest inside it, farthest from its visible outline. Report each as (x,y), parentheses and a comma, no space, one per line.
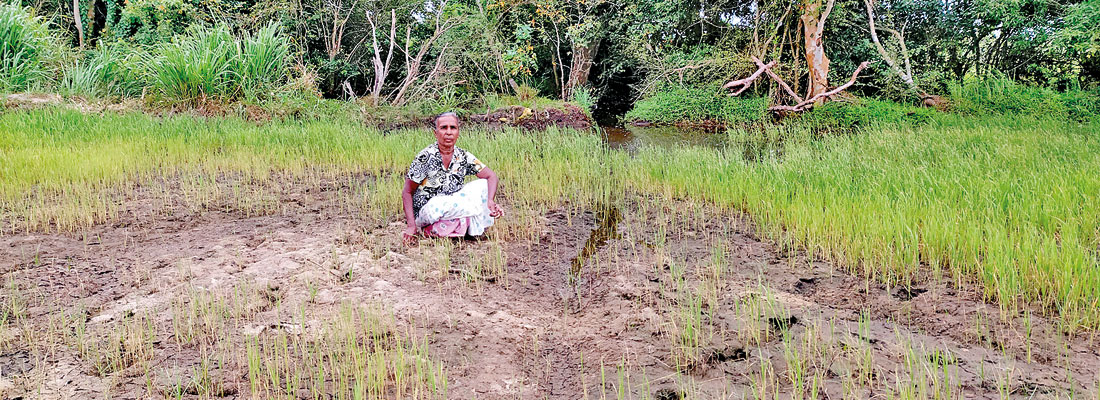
(569,116)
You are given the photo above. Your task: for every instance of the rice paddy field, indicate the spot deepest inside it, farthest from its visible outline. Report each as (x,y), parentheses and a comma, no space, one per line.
(182,257)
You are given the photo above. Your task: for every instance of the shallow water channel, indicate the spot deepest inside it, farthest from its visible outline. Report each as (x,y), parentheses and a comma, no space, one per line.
(635,138)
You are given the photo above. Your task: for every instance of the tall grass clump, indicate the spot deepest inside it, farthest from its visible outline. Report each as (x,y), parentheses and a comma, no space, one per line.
(26,48)
(262,62)
(197,66)
(707,103)
(108,70)
(212,63)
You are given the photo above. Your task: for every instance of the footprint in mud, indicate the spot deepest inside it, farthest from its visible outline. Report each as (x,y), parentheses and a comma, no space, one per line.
(805,285)
(781,324)
(728,354)
(906,294)
(668,394)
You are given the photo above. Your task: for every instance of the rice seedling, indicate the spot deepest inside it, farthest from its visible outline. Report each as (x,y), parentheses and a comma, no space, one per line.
(360,354)
(690,331)
(201,317)
(128,346)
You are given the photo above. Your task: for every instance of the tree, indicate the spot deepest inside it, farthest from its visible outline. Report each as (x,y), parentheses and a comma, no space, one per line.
(813,31)
(899,62)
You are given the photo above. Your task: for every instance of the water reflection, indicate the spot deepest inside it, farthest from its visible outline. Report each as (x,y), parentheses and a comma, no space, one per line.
(633,138)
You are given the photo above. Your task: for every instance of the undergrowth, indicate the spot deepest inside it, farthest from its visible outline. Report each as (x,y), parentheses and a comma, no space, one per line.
(708,103)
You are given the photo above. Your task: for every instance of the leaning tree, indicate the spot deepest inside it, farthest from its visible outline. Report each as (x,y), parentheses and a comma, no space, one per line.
(814,15)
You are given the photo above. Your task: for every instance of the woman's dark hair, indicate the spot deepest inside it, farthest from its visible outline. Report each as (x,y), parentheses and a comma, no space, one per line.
(435,121)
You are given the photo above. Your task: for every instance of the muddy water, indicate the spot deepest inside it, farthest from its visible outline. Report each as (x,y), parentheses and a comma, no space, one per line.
(607,228)
(633,138)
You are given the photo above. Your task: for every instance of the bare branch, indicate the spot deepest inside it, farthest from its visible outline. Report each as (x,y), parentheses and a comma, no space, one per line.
(778,80)
(804,105)
(745,83)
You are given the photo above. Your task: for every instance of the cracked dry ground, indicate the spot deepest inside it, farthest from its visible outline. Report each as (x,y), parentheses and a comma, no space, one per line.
(547,326)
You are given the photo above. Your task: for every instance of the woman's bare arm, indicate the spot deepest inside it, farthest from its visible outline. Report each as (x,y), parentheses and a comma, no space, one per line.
(487,174)
(407,202)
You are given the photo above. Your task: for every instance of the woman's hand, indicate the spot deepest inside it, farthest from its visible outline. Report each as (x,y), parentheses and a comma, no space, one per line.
(409,236)
(495,210)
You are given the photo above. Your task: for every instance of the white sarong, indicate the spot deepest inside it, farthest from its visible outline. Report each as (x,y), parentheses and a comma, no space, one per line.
(470,205)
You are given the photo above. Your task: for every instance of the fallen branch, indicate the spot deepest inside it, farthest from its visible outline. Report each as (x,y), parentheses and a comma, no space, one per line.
(777,79)
(804,105)
(747,82)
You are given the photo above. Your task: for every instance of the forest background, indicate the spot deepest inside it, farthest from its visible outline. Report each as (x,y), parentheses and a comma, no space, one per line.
(664,59)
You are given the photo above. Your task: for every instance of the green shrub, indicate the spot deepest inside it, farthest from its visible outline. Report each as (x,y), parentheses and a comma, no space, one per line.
(26,48)
(151,22)
(836,115)
(109,70)
(262,62)
(212,63)
(1082,105)
(1006,97)
(697,104)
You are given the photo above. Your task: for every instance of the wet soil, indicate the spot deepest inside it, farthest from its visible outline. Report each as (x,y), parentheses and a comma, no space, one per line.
(569,116)
(592,295)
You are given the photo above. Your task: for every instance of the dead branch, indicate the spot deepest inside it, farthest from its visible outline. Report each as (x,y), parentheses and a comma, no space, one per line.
(747,82)
(905,75)
(783,84)
(413,64)
(381,69)
(79,24)
(805,105)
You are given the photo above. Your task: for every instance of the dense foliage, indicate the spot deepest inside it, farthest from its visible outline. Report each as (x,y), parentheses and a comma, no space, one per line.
(603,54)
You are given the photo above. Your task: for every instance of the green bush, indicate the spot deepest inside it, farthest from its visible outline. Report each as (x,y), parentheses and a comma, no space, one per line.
(26,48)
(1004,96)
(837,115)
(212,63)
(196,66)
(151,22)
(583,98)
(696,105)
(262,62)
(109,70)
(1082,105)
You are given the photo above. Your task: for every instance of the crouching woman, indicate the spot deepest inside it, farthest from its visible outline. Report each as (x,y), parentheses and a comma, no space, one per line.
(437,201)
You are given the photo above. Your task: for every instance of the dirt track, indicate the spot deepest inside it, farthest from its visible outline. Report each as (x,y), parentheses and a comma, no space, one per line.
(536,331)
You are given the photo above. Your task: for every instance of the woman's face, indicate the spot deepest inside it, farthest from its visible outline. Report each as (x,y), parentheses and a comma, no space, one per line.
(446,131)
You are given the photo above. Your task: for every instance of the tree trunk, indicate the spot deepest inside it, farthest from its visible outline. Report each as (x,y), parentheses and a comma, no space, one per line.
(581,66)
(813,28)
(381,69)
(79,23)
